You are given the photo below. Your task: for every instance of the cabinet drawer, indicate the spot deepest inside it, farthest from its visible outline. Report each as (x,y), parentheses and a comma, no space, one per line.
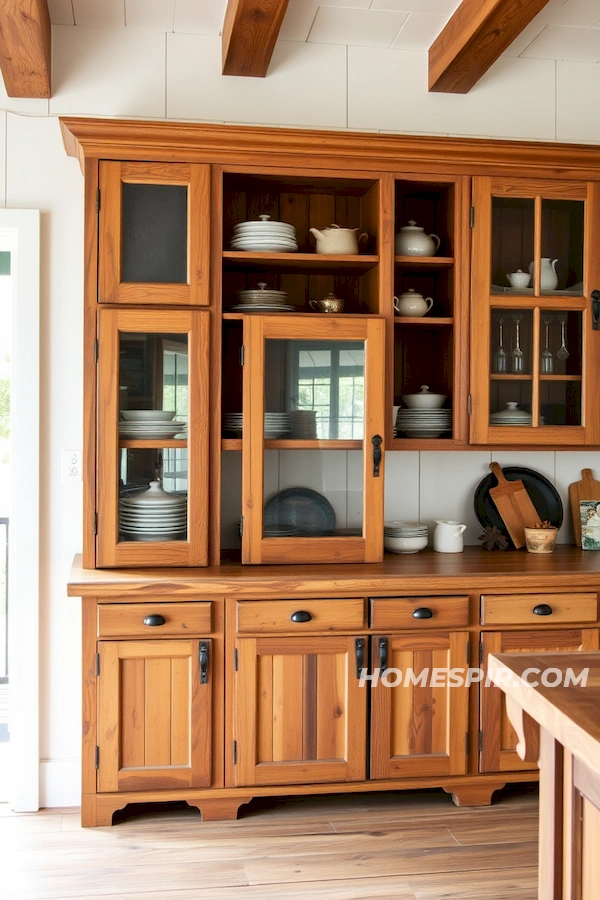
(390,613)
(299,615)
(538,609)
(127,619)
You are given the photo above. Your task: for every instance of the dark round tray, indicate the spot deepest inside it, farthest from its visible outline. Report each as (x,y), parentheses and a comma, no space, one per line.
(544,497)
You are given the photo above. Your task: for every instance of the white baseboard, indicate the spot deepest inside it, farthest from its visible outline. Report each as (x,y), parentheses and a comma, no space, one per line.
(60,782)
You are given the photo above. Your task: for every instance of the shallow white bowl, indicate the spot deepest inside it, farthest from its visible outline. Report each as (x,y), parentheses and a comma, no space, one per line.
(424,401)
(405,545)
(147,415)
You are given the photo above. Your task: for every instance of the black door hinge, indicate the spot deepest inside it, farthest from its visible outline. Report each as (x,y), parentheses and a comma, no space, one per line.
(97,757)
(95,523)
(96,349)
(241,526)
(97,664)
(472,217)
(97,199)
(480,741)
(469,404)
(242,355)
(235,753)
(235,660)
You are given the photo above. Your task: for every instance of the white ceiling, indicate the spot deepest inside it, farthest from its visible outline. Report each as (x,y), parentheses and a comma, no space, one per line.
(565,29)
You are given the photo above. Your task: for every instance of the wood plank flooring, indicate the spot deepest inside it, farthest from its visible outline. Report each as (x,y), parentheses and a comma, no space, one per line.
(399,846)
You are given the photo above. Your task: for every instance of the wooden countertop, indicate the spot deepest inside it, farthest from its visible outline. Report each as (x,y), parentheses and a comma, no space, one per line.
(428,571)
(570,713)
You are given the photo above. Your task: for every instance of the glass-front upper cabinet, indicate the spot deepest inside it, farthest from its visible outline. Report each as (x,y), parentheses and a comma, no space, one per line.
(312,438)
(152,438)
(154,233)
(535,347)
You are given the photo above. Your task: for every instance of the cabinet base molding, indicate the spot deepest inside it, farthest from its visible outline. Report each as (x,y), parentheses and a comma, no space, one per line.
(475,794)
(222,804)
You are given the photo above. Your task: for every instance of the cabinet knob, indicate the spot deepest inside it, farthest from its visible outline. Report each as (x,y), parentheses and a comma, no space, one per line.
(155,619)
(301,616)
(542,609)
(423,612)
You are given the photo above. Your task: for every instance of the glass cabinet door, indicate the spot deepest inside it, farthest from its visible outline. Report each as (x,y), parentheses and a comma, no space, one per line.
(152,438)
(312,439)
(535,350)
(154,233)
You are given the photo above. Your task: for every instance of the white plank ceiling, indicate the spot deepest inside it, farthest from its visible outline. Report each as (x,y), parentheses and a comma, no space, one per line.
(565,29)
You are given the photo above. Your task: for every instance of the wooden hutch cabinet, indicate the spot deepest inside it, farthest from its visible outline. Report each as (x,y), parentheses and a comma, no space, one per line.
(211,678)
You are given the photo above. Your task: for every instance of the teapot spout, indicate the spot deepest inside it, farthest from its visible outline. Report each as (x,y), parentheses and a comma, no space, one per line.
(317,233)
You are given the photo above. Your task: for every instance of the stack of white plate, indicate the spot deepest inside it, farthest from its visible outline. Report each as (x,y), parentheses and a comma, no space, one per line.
(153,515)
(264,236)
(404,537)
(424,423)
(512,415)
(149,423)
(303,424)
(277,425)
(262,300)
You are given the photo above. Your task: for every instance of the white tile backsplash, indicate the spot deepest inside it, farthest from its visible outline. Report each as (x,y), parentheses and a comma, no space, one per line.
(447,487)
(293,92)
(402,486)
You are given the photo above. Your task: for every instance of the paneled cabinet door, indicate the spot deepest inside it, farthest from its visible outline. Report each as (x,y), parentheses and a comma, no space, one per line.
(535,349)
(313,426)
(498,739)
(152,480)
(300,714)
(154,714)
(417,728)
(154,240)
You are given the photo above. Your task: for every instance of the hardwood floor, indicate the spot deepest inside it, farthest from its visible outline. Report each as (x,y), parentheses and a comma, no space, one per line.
(399,846)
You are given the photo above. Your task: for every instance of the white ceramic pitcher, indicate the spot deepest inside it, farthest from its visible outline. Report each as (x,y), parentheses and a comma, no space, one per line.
(448,536)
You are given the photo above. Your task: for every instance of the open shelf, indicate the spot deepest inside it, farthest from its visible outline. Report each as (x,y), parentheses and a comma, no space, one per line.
(423,320)
(293,444)
(151,443)
(297,262)
(425,262)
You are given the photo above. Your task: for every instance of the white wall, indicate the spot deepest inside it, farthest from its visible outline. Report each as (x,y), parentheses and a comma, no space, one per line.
(151,74)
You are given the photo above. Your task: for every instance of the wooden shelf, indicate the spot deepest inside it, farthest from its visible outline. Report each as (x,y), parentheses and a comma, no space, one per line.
(298,262)
(501,377)
(423,320)
(292,444)
(560,377)
(151,443)
(424,262)
(446,443)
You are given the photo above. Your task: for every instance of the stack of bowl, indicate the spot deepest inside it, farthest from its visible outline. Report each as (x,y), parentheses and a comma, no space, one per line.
(153,515)
(404,537)
(303,424)
(264,236)
(424,417)
(262,300)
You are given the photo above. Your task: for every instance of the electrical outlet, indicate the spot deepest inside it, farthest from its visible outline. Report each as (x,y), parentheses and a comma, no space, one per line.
(71,465)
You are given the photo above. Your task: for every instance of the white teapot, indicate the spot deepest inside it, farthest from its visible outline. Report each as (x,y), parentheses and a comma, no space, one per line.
(411,303)
(411,240)
(548,276)
(338,240)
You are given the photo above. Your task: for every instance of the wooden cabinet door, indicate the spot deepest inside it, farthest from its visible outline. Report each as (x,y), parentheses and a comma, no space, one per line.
(154,233)
(154,714)
(416,728)
(534,347)
(152,361)
(300,714)
(497,737)
(313,492)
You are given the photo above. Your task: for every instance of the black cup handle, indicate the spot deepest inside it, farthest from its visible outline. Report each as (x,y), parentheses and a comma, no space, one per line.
(155,619)
(301,616)
(542,609)
(423,612)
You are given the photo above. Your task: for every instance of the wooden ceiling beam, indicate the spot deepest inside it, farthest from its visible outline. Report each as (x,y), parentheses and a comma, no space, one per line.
(250,31)
(25,47)
(478,32)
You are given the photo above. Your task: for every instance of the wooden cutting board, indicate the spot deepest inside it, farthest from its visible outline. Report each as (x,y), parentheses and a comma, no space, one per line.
(586,489)
(514,505)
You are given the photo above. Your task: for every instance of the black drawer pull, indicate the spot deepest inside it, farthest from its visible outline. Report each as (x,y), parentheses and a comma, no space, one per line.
(423,612)
(155,619)
(542,609)
(301,616)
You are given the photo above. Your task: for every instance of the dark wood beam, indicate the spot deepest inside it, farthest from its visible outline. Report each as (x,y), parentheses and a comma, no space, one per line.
(250,30)
(473,39)
(25,47)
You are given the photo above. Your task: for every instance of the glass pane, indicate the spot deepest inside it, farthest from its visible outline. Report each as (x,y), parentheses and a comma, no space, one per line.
(154,235)
(314,390)
(560,403)
(153,378)
(512,243)
(562,246)
(511,342)
(313,493)
(561,340)
(153,494)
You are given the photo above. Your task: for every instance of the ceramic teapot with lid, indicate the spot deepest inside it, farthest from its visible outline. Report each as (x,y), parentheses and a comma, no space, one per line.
(411,240)
(338,240)
(411,303)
